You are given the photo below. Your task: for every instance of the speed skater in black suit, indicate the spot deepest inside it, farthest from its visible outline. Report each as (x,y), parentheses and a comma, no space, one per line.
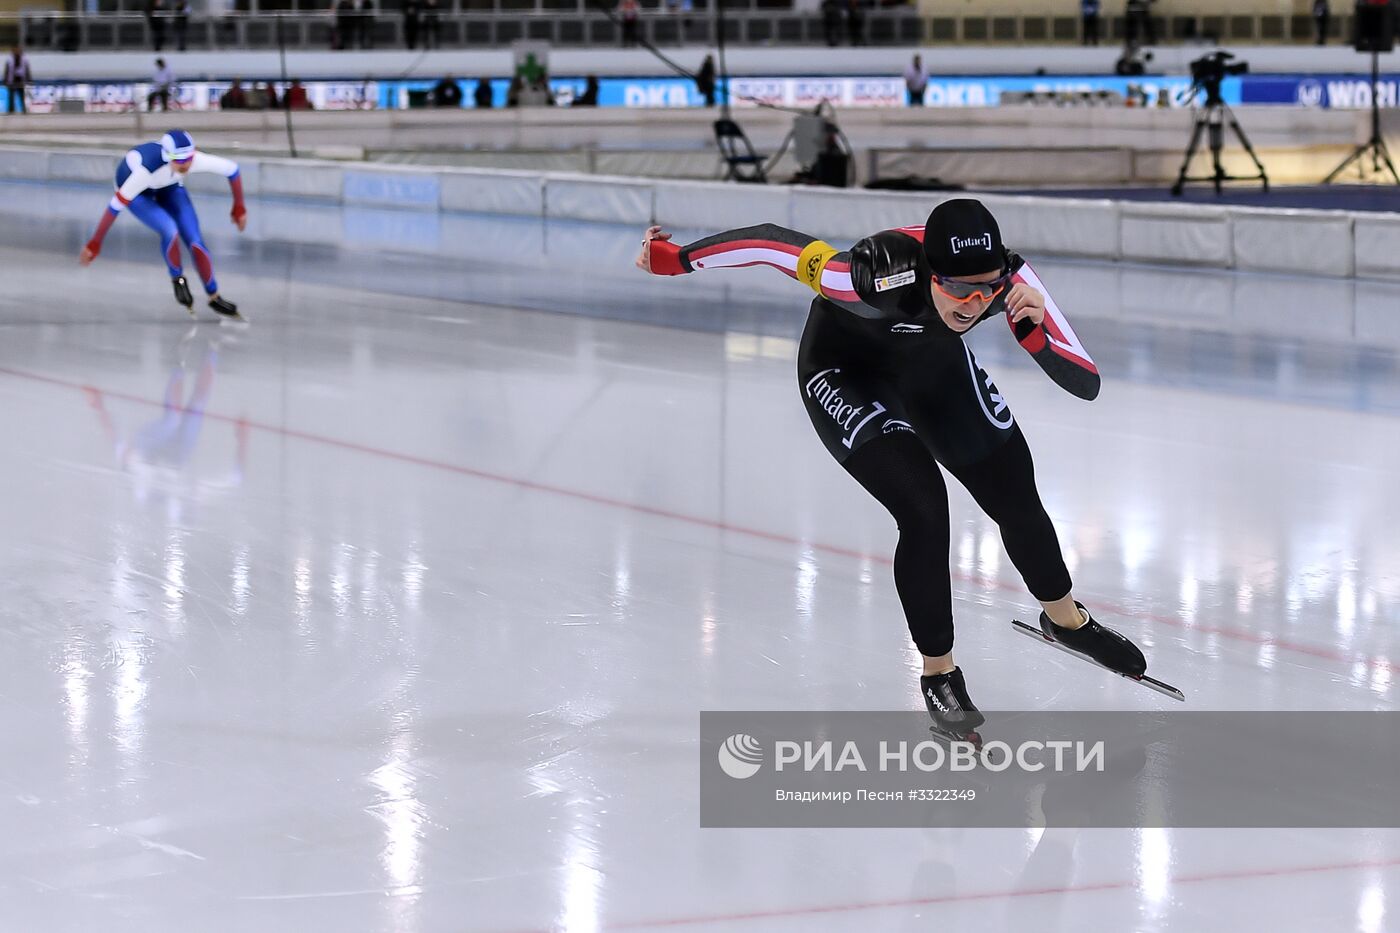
(894,392)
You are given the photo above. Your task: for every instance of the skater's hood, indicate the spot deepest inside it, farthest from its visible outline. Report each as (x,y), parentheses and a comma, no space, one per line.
(177,146)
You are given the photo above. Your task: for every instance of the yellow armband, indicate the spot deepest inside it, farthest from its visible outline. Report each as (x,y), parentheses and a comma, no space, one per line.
(812,260)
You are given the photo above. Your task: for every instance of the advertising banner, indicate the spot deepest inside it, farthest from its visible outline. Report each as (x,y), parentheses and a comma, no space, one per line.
(1334,91)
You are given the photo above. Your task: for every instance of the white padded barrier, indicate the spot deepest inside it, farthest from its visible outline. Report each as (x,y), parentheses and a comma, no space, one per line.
(696,205)
(1313,242)
(1063,227)
(409,189)
(1175,233)
(1377,239)
(597,198)
(321,181)
(1324,243)
(99,168)
(842,217)
(30,164)
(487,192)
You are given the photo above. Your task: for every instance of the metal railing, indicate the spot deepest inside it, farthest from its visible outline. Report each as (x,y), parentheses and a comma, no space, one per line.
(464,26)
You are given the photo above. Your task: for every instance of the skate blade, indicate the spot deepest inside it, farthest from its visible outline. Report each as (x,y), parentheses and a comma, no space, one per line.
(972,738)
(1152,683)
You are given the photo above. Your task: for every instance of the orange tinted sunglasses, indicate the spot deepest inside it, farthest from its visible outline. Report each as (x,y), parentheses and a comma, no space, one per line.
(963,292)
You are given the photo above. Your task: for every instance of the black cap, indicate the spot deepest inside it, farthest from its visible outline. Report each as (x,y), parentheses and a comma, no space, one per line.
(962,238)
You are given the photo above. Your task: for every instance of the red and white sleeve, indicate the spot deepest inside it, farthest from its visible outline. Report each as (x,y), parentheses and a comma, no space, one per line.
(1055,346)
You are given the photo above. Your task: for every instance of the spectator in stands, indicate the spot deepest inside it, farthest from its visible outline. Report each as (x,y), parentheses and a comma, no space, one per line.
(517,85)
(364,23)
(530,70)
(182,22)
(447,93)
(155,20)
(263,97)
(589,97)
(537,92)
(483,97)
(432,24)
(235,98)
(1090,11)
(17,76)
(831,22)
(344,35)
(1322,14)
(412,18)
(705,80)
(295,98)
(915,81)
(1138,26)
(162,84)
(855,22)
(628,11)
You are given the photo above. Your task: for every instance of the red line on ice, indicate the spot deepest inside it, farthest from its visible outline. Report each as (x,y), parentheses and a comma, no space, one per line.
(1233,634)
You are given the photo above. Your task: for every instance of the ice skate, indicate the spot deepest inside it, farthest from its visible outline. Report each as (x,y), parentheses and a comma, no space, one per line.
(182,293)
(1100,645)
(225,308)
(954,715)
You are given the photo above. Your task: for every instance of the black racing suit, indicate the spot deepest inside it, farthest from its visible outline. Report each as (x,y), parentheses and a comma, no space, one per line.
(893,392)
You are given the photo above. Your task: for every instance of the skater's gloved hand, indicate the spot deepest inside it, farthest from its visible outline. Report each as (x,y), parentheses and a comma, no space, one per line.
(89,252)
(1025,303)
(240,216)
(653,233)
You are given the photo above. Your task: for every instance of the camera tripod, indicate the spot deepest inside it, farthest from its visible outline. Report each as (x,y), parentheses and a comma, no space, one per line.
(1212,119)
(1375,146)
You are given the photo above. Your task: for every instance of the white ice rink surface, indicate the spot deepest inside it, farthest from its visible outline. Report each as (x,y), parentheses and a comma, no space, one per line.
(393,611)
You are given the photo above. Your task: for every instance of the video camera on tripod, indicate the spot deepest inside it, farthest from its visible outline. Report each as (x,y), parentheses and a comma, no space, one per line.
(1209,70)
(1211,119)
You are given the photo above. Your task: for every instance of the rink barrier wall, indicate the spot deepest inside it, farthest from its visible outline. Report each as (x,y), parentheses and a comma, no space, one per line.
(1176,233)
(1318,243)
(1324,243)
(476,191)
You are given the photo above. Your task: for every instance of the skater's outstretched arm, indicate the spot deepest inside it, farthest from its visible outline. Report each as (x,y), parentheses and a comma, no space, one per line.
(136,182)
(218,165)
(817,264)
(1042,329)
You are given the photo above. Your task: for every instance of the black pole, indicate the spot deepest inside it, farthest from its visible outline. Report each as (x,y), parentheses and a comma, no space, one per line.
(723,71)
(1376,136)
(282,55)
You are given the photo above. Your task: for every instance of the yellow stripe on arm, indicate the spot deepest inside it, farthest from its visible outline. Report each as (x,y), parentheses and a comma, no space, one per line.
(811,261)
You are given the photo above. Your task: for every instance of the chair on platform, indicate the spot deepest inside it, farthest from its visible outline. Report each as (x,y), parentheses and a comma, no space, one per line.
(742,163)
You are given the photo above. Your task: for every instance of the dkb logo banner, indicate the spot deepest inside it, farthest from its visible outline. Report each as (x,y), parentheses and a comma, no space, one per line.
(1051,769)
